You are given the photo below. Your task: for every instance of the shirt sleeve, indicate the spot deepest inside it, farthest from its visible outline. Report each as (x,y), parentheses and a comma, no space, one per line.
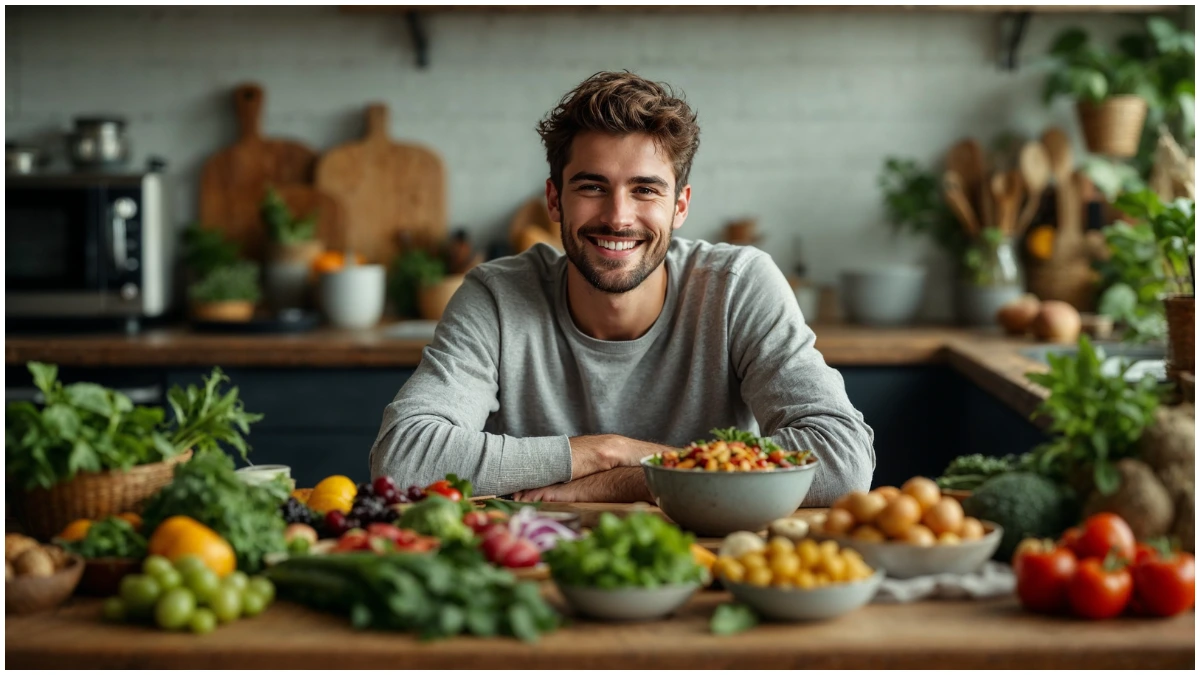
(435,424)
(798,400)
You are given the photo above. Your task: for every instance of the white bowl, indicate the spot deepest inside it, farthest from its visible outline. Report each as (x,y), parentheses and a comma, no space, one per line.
(627,604)
(904,561)
(812,604)
(716,503)
(353,296)
(888,295)
(264,473)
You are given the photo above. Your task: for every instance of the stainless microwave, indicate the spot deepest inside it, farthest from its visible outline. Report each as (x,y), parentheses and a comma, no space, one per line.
(87,245)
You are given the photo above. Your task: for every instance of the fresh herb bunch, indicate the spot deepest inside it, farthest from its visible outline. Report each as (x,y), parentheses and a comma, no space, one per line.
(205,418)
(207,489)
(1174,228)
(206,249)
(970,471)
(81,427)
(734,434)
(282,226)
(731,618)
(1097,419)
(412,270)
(109,538)
(232,282)
(1133,279)
(640,550)
(435,595)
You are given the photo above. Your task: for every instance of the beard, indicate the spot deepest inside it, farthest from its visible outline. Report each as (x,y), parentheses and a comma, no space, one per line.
(602,273)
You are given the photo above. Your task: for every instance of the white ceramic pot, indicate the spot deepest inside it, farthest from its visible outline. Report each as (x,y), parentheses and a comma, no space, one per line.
(353,296)
(887,295)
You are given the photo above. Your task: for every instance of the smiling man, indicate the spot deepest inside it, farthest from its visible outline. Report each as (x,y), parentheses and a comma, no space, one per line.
(551,376)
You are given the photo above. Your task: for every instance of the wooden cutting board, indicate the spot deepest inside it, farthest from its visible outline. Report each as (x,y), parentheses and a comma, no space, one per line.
(235,179)
(386,189)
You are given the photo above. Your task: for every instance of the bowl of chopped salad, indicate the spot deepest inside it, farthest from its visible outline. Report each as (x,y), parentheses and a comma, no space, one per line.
(735,481)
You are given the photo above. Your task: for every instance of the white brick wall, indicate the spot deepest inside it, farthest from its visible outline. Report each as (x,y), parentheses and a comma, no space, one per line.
(797,108)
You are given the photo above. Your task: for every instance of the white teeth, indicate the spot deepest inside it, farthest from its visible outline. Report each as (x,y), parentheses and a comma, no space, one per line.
(616,245)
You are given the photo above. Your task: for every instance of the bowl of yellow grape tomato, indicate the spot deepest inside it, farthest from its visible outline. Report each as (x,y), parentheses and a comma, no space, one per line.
(805,581)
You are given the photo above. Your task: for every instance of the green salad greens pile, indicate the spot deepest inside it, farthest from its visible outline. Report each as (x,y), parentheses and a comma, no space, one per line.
(109,538)
(640,550)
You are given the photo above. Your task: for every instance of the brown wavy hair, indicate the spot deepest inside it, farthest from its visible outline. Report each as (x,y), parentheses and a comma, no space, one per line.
(622,103)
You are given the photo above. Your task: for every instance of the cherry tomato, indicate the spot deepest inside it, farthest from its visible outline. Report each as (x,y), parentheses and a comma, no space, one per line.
(1043,572)
(496,545)
(443,488)
(1100,589)
(1104,533)
(1164,585)
(522,553)
(477,521)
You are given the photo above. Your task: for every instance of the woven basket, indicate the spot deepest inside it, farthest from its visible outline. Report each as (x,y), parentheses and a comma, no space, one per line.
(1073,283)
(1114,127)
(1181,335)
(44,513)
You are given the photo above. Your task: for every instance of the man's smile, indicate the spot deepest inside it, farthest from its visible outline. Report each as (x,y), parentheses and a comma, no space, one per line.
(614,248)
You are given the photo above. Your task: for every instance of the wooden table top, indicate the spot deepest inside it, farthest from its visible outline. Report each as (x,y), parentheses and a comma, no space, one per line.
(930,634)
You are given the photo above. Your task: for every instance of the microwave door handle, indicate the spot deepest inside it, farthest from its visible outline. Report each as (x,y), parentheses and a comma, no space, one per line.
(118,240)
(151,395)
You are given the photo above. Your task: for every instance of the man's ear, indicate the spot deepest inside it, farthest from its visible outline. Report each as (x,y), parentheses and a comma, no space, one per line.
(682,202)
(552,202)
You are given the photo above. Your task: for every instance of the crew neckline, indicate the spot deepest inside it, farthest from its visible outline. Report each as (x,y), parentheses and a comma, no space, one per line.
(567,322)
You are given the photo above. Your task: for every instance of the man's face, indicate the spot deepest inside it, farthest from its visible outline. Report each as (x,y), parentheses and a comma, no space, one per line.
(617,208)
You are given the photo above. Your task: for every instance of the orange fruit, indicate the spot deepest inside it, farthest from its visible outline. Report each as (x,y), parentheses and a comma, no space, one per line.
(335,493)
(75,530)
(178,536)
(132,518)
(1040,242)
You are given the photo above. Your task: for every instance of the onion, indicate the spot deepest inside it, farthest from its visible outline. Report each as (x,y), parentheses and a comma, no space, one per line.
(1018,315)
(543,532)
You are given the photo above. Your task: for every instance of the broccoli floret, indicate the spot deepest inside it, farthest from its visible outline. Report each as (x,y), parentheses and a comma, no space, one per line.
(1024,504)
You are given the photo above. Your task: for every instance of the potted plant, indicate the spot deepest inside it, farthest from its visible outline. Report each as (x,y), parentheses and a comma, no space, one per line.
(1111,90)
(987,275)
(226,293)
(1173,227)
(290,254)
(417,284)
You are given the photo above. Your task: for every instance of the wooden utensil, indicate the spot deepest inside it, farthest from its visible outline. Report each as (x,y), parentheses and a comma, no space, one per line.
(234,180)
(960,205)
(966,159)
(386,188)
(1035,173)
(1007,189)
(1058,148)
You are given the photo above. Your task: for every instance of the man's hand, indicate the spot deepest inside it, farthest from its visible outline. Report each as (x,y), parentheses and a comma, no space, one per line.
(625,484)
(593,454)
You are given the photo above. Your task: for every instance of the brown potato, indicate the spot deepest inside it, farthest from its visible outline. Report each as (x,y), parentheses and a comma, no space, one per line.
(838,521)
(35,563)
(899,515)
(945,516)
(841,502)
(865,507)
(971,529)
(15,544)
(867,533)
(925,491)
(919,535)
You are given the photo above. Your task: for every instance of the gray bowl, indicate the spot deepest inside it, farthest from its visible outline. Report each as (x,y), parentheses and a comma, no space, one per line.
(716,503)
(798,604)
(904,561)
(883,296)
(627,604)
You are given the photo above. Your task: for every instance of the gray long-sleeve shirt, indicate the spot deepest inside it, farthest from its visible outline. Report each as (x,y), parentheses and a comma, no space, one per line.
(508,377)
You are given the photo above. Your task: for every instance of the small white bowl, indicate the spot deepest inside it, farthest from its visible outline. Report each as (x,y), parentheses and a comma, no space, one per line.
(265,473)
(904,561)
(627,604)
(353,296)
(811,604)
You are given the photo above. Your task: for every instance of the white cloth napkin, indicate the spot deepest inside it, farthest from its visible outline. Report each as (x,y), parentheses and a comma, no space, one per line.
(992,580)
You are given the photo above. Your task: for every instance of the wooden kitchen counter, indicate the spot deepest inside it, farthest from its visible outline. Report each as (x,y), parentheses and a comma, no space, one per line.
(985,356)
(933,634)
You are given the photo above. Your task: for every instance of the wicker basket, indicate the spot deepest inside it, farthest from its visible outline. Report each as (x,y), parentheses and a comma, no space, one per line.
(1181,335)
(1072,282)
(44,513)
(1114,127)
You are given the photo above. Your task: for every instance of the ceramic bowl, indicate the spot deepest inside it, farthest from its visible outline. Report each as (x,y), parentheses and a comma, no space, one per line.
(798,604)
(716,503)
(904,561)
(26,595)
(627,604)
(884,295)
(353,296)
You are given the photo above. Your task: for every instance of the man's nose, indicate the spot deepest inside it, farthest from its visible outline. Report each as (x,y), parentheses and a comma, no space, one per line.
(620,211)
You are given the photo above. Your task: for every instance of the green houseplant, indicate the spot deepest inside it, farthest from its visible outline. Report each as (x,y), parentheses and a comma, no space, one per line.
(221,287)
(293,247)
(413,271)
(987,269)
(1173,226)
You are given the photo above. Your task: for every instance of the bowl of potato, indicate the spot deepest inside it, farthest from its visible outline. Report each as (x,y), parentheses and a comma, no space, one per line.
(795,581)
(36,576)
(910,531)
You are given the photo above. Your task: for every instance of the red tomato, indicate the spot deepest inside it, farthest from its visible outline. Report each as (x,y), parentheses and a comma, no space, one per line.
(1105,532)
(1043,573)
(443,488)
(1070,539)
(1164,586)
(522,553)
(354,540)
(389,532)
(478,521)
(496,544)
(1143,551)
(1098,591)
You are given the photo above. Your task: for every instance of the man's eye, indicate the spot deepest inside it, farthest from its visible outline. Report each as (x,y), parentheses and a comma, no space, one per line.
(645,191)
(589,188)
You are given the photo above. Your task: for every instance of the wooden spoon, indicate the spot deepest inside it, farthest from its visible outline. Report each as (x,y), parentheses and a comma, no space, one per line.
(1058,147)
(966,159)
(956,198)
(1035,173)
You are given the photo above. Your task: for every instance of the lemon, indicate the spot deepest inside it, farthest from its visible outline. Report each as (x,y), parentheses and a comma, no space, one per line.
(333,493)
